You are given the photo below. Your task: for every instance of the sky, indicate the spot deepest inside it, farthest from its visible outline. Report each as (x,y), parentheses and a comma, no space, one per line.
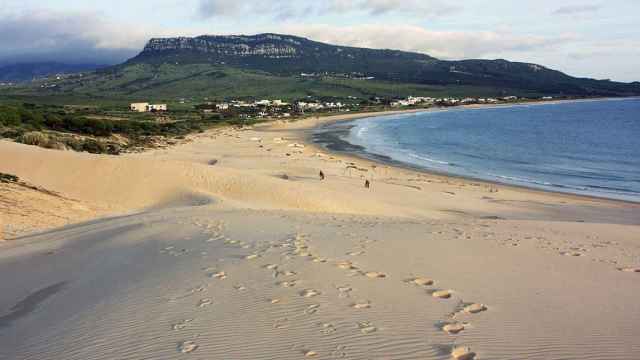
(598,39)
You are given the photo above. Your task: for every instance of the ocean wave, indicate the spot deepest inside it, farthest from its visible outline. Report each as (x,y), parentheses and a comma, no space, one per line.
(362,131)
(424,158)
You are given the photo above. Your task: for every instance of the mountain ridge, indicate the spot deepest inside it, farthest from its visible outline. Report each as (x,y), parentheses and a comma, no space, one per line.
(20,72)
(290,55)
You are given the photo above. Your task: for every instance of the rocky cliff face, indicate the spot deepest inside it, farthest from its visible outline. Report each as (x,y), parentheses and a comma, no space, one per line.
(266,45)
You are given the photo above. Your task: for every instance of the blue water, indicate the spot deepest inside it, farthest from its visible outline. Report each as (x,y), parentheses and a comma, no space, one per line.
(587,147)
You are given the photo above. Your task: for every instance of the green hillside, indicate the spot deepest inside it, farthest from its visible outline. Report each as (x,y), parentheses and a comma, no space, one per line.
(195,82)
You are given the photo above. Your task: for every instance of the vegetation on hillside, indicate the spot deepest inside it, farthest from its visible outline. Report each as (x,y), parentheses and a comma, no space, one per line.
(94,130)
(172,83)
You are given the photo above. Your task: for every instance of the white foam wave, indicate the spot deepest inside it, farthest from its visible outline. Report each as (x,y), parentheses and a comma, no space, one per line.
(424,158)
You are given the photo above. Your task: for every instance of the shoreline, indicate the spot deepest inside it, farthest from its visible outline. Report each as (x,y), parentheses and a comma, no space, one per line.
(362,155)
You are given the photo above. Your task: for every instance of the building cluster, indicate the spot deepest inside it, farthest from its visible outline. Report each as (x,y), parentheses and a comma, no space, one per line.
(412,101)
(239,104)
(429,101)
(303,106)
(146,107)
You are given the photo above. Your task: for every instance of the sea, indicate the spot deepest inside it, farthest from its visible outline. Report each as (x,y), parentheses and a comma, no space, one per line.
(589,147)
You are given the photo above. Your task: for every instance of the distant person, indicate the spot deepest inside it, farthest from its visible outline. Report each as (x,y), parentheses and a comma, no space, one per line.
(321,175)
(367,184)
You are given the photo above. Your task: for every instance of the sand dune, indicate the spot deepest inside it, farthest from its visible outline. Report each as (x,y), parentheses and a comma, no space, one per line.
(202,259)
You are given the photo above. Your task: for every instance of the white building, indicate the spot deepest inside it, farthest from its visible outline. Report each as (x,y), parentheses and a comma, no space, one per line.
(146,107)
(139,107)
(157,107)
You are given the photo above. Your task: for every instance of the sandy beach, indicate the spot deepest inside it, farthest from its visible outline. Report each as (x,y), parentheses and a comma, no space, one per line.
(230,246)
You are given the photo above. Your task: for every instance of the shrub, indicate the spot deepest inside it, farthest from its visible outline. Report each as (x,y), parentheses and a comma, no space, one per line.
(32,118)
(9,116)
(94,146)
(7,178)
(54,122)
(34,138)
(56,145)
(74,144)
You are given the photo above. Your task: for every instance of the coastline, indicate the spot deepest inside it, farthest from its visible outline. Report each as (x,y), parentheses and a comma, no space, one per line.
(355,152)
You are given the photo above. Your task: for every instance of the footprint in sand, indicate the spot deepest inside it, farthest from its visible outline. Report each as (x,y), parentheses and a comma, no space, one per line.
(327,328)
(309,353)
(367,327)
(309,293)
(344,291)
(420,281)
(475,308)
(453,328)
(311,309)
(187,347)
(375,275)
(630,269)
(347,265)
(571,253)
(442,294)
(339,352)
(240,287)
(220,275)
(462,353)
(252,257)
(287,284)
(204,302)
(215,238)
(280,323)
(181,325)
(189,293)
(362,305)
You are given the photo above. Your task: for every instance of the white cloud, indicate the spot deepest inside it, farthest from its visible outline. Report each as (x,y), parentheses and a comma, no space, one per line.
(73,37)
(576,9)
(440,44)
(293,9)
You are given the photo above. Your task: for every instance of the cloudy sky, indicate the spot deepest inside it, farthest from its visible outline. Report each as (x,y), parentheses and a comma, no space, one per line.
(595,38)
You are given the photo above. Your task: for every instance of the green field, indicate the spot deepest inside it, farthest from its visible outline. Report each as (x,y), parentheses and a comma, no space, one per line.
(181,86)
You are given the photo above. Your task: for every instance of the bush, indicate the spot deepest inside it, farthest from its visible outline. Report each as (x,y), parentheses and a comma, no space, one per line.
(73,143)
(9,116)
(55,145)
(7,178)
(34,138)
(94,146)
(35,119)
(54,122)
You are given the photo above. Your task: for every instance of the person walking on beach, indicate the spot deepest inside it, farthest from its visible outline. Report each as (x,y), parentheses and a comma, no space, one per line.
(321,175)
(367,184)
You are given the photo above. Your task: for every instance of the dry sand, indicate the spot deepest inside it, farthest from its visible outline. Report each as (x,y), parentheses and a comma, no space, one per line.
(231,247)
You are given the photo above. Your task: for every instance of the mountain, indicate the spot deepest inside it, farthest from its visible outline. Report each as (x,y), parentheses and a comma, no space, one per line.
(29,71)
(291,55)
(279,54)
(272,65)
